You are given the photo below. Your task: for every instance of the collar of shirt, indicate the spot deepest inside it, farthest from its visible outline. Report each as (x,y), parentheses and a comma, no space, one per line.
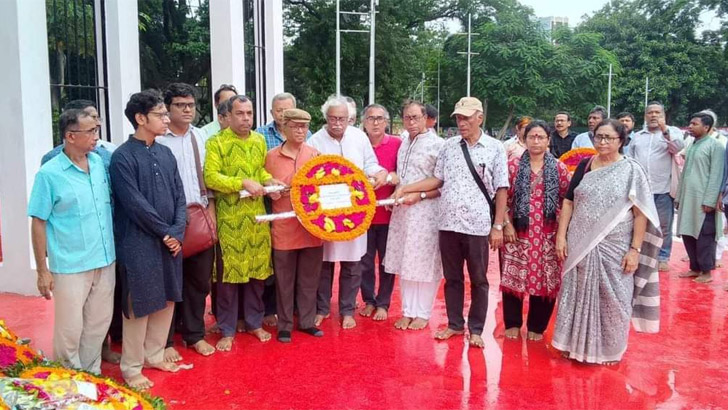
(273,130)
(169,133)
(384,141)
(479,141)
(141,142)
(67,163)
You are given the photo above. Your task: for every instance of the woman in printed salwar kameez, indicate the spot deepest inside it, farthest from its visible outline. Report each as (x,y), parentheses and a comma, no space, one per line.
(610,250)
(538,184)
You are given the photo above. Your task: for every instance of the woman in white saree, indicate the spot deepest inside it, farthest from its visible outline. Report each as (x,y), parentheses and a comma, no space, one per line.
(610,268)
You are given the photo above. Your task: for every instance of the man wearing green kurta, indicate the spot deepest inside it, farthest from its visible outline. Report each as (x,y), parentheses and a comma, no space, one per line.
(697,221)
(235,160)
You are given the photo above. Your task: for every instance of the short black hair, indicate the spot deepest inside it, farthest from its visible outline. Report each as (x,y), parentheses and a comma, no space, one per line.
(538,124)
(224,87)
(601,110)
(620,128)
(79,104)
(69,118)
(141,103)
(566,113)
(705,119)
(625,114)
(431,111)
(240,98)
(179,90)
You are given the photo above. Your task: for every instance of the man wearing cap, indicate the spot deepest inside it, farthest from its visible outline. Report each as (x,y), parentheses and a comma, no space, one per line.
(297,255)
(465,219)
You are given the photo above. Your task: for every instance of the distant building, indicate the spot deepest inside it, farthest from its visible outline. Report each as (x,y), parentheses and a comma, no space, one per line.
(549,24)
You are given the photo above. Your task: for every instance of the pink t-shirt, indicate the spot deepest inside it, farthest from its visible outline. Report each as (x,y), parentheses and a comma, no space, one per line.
(386,153)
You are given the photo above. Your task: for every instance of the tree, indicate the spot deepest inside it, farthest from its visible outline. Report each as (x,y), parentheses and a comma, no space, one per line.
(657,39)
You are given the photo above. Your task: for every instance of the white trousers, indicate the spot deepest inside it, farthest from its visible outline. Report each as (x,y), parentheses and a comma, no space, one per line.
(722,242)
(418,298)
(143,339)
(83,305)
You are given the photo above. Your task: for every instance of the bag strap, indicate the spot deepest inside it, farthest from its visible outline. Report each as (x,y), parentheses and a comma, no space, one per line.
(198,165)
(478,181)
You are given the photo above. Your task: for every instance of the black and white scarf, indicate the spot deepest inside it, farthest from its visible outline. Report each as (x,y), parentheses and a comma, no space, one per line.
(522,191)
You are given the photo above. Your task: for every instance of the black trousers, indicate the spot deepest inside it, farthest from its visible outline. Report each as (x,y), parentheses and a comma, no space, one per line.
(456,250)
(376,243)
(297,277)
(116,316)
(701,250)
(349,282)
(540,309)
(196,273)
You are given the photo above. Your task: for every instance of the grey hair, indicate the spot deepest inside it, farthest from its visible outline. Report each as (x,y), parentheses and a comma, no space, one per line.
(657,103)
(369,107)
(336,101)
(224,107)
(283,97)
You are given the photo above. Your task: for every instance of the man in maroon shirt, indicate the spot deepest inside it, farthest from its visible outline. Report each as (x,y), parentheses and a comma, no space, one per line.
(375,119)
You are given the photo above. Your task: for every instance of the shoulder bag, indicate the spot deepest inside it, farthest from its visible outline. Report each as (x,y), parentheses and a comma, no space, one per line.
(201,230)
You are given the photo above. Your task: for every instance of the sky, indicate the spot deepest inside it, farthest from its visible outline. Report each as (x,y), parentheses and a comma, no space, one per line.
(575,9)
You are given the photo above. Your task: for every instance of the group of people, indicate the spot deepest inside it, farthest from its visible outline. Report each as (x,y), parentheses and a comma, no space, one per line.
(111,223)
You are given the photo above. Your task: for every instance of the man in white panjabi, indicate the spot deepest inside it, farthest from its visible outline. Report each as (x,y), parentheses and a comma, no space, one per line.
(413,251)
(339,138)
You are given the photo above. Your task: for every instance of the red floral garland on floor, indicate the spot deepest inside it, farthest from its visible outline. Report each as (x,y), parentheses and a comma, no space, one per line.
(342,224)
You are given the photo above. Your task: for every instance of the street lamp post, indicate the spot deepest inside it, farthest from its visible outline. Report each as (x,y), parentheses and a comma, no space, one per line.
(372,12)
(469,53)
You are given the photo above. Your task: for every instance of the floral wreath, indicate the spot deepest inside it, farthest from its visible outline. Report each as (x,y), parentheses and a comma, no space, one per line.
(12,353)
(6,333)
(337,224)
(573,157)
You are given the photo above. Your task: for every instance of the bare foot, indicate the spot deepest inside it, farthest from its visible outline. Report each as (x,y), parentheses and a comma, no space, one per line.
(535,337)
(367,311)
(417,324)
(348,322)
(403,323)
(203,348)
(261,334)
(380,314)
(240,328)
(224,344)
(270,321)
(214,329)
(109,355)
(164,366)
(139,382)
(171,355)
(703,278)
(689,274)
(320,318)
(663,267)
(612,363)
(447,333)
(513,333)
(718,264)
(476,341)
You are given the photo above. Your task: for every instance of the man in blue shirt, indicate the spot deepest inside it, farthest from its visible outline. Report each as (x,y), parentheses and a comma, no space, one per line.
(586,139)
(103,148)
(70,207)
(271,131)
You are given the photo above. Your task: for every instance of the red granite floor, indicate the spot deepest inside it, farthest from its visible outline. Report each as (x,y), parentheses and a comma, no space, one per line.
(375,366)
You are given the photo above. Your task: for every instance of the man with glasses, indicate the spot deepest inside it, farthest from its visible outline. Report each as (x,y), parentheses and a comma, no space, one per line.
(561,137)
(465,218)
(187,143)
(224,93)
(70,207)
(103,148)
(339,138)
(375,119)
(149,225)
(654,148)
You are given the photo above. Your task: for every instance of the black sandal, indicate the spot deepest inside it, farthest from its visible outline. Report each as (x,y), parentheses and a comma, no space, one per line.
(313,331)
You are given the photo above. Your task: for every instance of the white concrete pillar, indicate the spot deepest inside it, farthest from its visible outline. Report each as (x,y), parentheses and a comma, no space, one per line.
(273,12)
(227,48)
(25,112)
(123,72)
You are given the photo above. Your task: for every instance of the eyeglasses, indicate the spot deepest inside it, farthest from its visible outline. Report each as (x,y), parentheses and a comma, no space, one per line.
(335,120)
(604,138)
(159,114)
(376,119)
(298,127)
(94,130)
(410,118)
(182,106)
(537,137)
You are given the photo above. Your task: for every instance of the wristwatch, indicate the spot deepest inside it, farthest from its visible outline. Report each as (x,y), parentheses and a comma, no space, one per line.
(639,250)
(498,227)
(423,195)
(389,179)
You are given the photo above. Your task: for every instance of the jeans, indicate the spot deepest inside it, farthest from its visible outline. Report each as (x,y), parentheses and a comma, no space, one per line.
(665,212)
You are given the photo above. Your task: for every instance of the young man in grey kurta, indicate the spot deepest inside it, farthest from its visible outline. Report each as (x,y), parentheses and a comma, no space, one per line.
(697,199)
